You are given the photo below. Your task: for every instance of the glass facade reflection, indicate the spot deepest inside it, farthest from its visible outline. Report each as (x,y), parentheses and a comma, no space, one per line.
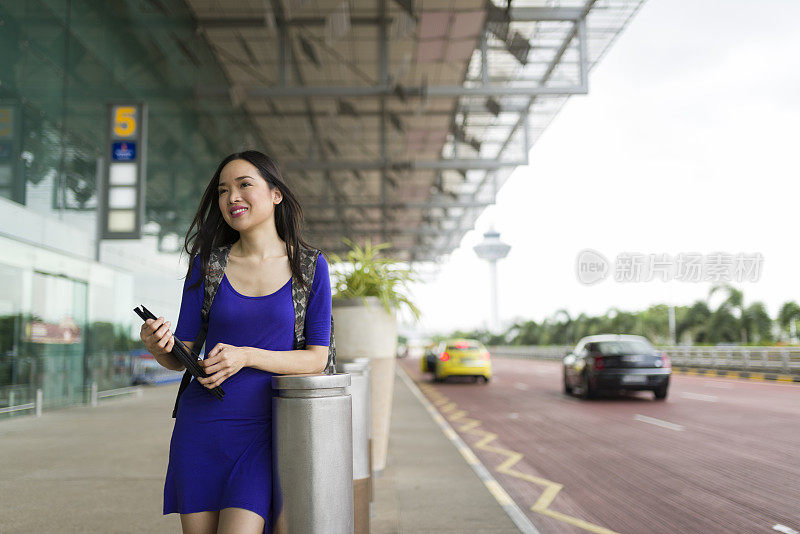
(62,62)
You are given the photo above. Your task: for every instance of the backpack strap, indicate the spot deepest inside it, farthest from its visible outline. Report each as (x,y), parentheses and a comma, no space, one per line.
(216,268)
(300,298)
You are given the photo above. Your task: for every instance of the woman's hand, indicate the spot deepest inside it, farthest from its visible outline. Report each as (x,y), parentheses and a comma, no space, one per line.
(157,338)
(223,361)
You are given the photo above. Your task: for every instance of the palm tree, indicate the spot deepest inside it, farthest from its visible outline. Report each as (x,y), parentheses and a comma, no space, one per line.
(723,326)
(734,302)
(623,322)
(527,333)
(790,312)
(757,323)
(567,326)
(695,322)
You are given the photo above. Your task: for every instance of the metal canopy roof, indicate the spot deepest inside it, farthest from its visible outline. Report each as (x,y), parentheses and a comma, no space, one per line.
(399,120)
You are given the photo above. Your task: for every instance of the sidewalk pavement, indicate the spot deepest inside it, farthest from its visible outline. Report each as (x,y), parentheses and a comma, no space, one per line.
(427,485)
(101,469)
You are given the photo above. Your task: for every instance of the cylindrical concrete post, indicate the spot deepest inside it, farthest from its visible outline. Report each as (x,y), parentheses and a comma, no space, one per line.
(313,453)
(39,402)
(94,393)
(359,391)
(369,331)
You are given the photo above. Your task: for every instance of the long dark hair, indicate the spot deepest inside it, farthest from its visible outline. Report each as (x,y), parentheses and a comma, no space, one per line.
(211,230)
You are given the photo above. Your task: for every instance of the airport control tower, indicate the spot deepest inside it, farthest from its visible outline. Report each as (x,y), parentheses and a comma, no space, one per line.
(492,249)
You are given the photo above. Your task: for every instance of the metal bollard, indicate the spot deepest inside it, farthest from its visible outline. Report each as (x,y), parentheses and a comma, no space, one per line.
(362,479)
(312,446)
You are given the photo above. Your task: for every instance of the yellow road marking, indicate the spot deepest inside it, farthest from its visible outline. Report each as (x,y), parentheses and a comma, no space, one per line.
(448,407)
(470,425)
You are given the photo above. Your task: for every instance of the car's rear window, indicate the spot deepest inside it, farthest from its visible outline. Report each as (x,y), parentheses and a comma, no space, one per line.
(612,348)
(465,345)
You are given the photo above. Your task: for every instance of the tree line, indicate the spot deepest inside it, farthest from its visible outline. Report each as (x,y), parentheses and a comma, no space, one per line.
(732,322)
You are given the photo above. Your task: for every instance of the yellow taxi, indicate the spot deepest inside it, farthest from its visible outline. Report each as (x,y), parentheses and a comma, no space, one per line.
(458,357)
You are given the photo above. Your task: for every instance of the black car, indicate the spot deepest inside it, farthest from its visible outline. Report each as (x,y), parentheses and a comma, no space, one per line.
(616,362)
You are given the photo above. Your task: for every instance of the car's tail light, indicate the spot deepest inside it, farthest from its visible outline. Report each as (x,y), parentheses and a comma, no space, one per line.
(599,363)
(444,356)
(485,355)
(665,363)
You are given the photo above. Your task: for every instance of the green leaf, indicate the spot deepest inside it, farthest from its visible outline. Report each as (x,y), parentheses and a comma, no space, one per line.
(363,274)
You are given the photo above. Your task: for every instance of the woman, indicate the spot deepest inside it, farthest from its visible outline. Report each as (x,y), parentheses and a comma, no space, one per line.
(219,476)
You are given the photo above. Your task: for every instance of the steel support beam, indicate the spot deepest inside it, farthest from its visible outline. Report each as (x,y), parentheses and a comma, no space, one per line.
(579,29)
(535,14)
(397,205)
(380,230)
(217,23)
(394,252)
(469,109)
(445,91)
(334,193)
(444,164)
(383,77)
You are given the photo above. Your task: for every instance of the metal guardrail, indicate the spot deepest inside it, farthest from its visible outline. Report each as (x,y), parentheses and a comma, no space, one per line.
(784,360)
(13,407)
(763,359)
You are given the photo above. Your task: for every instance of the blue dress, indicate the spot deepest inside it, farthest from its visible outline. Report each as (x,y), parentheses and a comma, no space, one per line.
(221,452)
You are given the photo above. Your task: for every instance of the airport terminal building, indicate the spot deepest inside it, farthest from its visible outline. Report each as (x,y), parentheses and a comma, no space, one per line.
(393,120)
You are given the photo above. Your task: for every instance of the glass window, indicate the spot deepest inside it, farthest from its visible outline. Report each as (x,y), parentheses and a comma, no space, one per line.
(55,337)
(628,346)
(17,377)
(465,345)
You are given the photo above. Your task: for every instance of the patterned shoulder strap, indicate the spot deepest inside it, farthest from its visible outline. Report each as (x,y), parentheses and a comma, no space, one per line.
(300,297)
(216,268)
(213,278)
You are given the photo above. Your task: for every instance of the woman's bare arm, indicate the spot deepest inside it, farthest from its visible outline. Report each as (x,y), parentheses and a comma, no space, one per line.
(312,359)
(159,341)
(171,362)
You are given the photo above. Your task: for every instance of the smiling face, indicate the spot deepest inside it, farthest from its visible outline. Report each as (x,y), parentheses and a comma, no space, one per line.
(241,186)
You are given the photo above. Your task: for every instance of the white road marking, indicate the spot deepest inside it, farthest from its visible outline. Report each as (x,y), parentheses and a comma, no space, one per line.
(657,422)
(699,396)
(521,386)
(785,529)
(717,385)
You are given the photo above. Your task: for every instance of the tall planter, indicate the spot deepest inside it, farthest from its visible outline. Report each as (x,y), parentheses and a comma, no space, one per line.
(367,330)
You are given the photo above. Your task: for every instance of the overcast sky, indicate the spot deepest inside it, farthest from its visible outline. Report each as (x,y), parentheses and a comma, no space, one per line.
(686,143)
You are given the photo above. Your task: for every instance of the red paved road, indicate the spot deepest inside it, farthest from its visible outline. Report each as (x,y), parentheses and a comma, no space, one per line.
(730,462)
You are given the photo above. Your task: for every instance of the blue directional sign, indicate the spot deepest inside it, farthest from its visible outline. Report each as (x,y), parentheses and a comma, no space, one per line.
(123,151)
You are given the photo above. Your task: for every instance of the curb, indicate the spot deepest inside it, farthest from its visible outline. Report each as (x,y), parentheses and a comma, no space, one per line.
(723,373)
(503,499)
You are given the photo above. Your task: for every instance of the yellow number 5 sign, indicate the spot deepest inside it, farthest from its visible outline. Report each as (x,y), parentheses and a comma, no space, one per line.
(124,121)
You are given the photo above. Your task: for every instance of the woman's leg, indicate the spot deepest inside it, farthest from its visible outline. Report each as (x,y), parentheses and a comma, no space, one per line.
(239,521)
(200,522)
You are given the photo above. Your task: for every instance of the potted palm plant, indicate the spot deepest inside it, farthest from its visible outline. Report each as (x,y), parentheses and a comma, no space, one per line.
(367,293)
